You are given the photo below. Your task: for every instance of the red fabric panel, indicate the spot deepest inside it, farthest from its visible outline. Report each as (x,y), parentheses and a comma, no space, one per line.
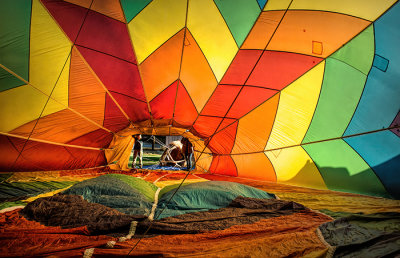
(222,142)
(276,70)
(106,35)
(98,32)
(241,67)
(223,165)
(8,152)
(249,98)
(69,16)
(206,126)
(117,75)
(136,110)
(162,106)
(221,100)
(114,120)
(185,111)
(45,156)
(99,139)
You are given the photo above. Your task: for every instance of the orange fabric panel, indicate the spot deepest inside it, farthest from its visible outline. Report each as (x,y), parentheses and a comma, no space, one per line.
(222,142)
(110,8)
(196,73)
(59,127)
(274,237)
(255,166)
(223,165)
(262,30)
(86,95)
(253,132)
(185,112)
(23,238)
(206,126)
(161,68)
(299,29)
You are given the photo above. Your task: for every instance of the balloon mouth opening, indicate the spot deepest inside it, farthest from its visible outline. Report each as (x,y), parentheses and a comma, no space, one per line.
(123,143)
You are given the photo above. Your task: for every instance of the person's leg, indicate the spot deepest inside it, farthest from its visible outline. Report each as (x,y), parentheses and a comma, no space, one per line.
(135,155)
(141,159)
(189,161)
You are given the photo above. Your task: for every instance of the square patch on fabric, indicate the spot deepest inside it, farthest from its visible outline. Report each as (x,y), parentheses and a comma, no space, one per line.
(381,63)
(317,47)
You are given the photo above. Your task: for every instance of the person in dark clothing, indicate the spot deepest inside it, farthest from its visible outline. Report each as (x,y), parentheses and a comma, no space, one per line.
(187,149)
(138,150)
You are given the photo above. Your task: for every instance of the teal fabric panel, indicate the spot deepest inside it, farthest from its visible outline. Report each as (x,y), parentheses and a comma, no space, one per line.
(343,169)
(240,16)
(133,7)
(15,18)
(204,196)
(380,101)
(381,151)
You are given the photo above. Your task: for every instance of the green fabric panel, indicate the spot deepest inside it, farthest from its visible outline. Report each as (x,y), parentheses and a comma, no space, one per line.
(111,191)
(133,7)
(5,176)
(204,196)
(5,205)
(358,235)
(343,169)
(169,188)
(240,16)
(146,188)
(15,19)
(359,52)
(341,90)
(15,189)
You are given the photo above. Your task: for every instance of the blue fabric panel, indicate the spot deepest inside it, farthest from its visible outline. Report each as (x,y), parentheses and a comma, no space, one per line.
(262,3)
(381,151)
(380,101)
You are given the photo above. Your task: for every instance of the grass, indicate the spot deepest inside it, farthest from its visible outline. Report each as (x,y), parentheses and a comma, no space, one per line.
(151,159)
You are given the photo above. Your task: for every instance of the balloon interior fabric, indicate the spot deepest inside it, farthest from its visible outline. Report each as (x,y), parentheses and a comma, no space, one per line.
(301,93)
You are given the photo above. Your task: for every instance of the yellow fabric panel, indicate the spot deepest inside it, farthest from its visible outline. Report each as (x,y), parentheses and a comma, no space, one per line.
(253,132)
(196,75)
(21,105)
(254,166)
(49,50)
(161,68)
(162,184)
(212,35)
(296,108)
(118,152)
(293,166)
(366,9)
(277,5)
(154,25)
(48,194)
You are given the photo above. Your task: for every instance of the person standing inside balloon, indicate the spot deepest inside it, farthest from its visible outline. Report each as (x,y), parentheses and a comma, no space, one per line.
(137,150)
(187,149)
